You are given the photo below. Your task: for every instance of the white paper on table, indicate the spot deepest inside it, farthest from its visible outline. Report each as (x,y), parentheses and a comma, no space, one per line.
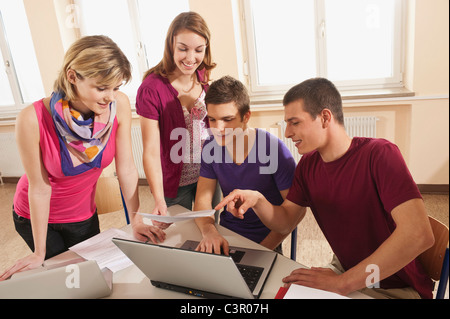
(302,292)
(178,217)
(101,249)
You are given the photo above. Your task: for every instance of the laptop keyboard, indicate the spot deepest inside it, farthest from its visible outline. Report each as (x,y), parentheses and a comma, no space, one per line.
(236,255)
(251,274)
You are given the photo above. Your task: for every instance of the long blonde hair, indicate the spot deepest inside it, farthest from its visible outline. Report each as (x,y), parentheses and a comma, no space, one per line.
(191,21)
(93,57)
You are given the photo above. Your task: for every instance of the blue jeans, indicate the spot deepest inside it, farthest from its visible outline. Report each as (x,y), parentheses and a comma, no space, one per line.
(185,196)
(59,236)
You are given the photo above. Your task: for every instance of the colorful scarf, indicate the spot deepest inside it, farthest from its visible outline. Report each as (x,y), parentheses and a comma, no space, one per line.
(81,141)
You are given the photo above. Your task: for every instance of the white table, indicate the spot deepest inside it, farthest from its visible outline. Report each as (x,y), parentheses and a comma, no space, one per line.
(131,283)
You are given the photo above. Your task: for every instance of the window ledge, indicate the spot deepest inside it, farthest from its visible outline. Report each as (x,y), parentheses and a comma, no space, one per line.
(377,94)
(7,119)
(275,102)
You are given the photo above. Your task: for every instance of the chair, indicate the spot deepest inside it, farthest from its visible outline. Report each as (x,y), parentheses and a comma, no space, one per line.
(435,259)
(294,244)
(108,196)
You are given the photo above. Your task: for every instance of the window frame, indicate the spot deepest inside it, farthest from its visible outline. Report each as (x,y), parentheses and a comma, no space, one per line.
(13,79)
(140,52)
(356,87)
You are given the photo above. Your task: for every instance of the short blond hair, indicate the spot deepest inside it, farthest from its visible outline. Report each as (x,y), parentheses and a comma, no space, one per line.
(93,57)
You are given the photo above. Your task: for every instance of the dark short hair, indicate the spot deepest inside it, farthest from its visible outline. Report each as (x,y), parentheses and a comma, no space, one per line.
(227,89)
(317,94)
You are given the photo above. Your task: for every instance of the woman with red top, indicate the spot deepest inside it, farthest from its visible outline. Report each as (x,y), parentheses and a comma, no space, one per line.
(65,141)
(173,119)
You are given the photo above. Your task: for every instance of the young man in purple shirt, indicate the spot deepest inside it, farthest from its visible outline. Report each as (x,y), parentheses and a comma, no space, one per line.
(362,196)
(238,156)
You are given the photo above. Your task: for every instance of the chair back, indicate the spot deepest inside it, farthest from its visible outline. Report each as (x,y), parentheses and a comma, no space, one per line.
(108,196)
(433,258)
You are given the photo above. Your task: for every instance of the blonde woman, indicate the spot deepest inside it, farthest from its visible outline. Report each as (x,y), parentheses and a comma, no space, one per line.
(171,104)
(65,141)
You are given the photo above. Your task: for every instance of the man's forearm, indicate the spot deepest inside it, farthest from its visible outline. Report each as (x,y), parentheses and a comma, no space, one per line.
(276,218)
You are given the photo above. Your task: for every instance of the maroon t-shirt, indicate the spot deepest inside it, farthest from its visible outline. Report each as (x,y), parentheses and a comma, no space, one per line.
(352,199)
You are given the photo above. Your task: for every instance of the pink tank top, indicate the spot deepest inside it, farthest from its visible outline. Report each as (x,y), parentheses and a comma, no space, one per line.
(73,197)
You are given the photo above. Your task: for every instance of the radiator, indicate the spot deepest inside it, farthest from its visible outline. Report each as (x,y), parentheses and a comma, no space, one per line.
(138,150)
(10,162)
(361,126)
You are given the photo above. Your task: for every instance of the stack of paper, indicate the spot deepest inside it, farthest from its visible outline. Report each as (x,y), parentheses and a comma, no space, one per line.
(101,249)
(178,217)
(302,292)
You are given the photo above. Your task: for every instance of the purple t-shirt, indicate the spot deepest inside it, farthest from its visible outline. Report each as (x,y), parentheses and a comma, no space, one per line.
(269,168)
(352,199)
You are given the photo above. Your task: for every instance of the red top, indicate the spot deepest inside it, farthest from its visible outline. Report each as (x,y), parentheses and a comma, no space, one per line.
(73,197)
(352,199)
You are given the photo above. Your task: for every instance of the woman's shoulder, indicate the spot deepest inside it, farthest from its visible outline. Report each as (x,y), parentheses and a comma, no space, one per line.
(154,80)
(152,86)
(122,98)
(33,112)
(123,106)
(27,115)
(27,121)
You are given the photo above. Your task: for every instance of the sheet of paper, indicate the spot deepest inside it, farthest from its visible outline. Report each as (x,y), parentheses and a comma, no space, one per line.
(302,292)
(178,217)
(101,249)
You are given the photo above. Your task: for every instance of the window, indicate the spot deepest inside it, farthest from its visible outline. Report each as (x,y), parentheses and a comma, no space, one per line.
(354,43)
(138,27)
(20,78)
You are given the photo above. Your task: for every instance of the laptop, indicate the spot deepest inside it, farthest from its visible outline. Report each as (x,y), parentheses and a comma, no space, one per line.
(83,280)
(201,274)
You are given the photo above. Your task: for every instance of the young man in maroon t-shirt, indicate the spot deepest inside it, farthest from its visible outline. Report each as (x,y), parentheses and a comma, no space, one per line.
(361,194)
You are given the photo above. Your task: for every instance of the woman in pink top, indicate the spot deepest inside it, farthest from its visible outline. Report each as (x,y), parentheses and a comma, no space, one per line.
(65,141)
(173,121)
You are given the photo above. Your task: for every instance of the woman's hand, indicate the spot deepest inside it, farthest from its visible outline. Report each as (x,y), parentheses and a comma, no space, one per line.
(30,262)
(144,232)
(160,209)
